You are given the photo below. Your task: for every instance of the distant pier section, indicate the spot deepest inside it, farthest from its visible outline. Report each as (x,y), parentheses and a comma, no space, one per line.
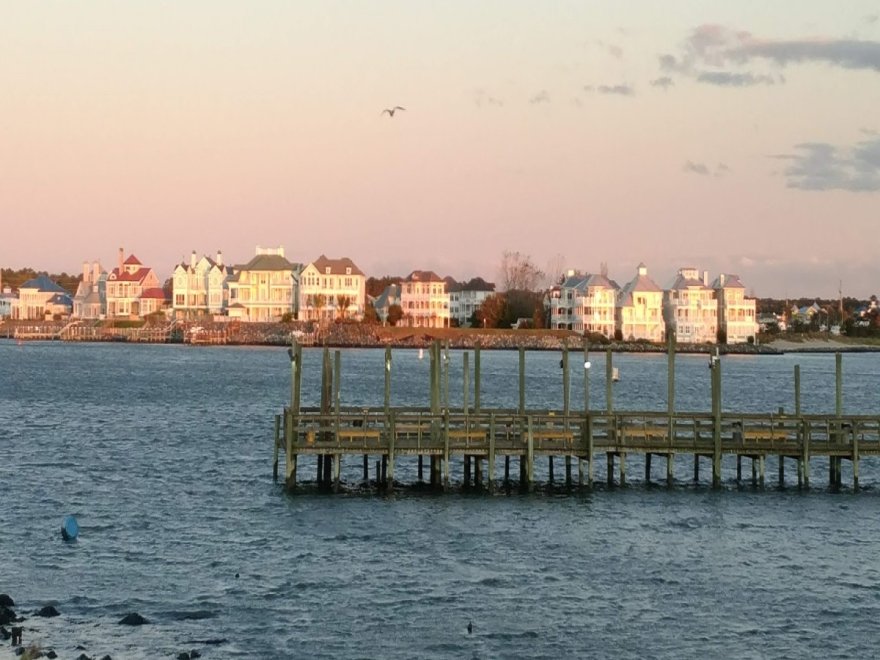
(502,446)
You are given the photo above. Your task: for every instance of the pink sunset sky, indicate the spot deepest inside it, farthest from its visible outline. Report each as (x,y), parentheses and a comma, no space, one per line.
(738,137)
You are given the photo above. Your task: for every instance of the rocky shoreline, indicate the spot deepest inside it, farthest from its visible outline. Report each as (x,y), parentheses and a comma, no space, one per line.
(27,635)
(359,335)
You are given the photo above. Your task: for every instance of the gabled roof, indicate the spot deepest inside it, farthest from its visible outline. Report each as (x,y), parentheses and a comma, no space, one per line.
(423,276)
(268,262)
(730,282)
(575,282)
(601,280)
(154,293)
(61,299)
(641,283)
(682,282)
(477,284)
(132,261)
(43,284)
(137,276)
(337,266)
(451,285)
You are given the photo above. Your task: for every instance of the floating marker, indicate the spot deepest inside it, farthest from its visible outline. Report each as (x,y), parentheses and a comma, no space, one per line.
(69,529)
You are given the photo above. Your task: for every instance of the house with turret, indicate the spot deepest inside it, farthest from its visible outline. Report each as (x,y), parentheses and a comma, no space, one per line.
(133,290)
(640,309)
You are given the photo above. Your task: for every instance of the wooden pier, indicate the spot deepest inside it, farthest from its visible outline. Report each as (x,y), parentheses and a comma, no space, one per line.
(488,441)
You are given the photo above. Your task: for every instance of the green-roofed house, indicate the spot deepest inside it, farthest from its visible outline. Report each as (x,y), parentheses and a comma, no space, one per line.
(265,288)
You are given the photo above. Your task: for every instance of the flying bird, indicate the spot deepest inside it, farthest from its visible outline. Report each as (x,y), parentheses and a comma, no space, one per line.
(391,111)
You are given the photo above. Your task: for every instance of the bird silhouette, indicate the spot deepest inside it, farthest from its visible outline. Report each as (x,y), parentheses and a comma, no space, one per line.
(391,111)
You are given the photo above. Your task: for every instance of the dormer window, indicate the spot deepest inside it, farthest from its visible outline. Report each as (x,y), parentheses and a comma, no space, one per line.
(348,271)
(327,270)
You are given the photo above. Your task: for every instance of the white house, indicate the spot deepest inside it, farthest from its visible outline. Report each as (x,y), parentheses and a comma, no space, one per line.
(640,309)
(424,300)
(562,300)
(332,289)
(691,308)
(200,287)
(465,298)
(736,313)
(41,297)
(595,303)
(265,288)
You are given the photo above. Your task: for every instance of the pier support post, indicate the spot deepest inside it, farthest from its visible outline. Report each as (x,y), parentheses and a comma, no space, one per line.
(670,478)
(805,435)
(609,381)
(478,471)
(276,448)
(530,464)
(392,438)
(550,468)
(622,456)
(420,469)
(855,457)
(466,385)
(761,466)
(446,450)
(507,470)
(337,472)
(522,380)
(835,461)
(290,449)
(477,377)
(696,468)
(648,467)
(670,403)
(609,457)
(366,469)
(781,471)
(754,471)
(716,420)
(590,449)
(581,471)
(739,469)
(568,470)
(491,440)
(467,471)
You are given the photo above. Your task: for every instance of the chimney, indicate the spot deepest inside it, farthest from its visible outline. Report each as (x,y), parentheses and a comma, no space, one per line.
(192,260)
(87,272)
(721,280)
(121,258)
(705,278)
(96,272)
(219,258)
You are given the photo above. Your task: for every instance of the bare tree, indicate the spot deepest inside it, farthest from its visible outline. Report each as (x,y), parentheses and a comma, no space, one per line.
(519,273)
(555,270)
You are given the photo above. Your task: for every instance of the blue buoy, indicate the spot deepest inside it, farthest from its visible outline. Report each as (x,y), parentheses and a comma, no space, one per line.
(69,529)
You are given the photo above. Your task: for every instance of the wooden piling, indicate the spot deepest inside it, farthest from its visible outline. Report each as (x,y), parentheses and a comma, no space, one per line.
(609,472)
(491,437)
(716,421)
(530,464)
(477,377)
(648,467)
(670,401)
(387,380)
(465,382)
(522,380)
(277,446)
(420,478)
(609,381)
(622,456)
(550,468)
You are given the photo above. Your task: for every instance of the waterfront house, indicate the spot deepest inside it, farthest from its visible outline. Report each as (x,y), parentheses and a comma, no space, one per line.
(200,287)
(465,298)
(640,309)
(90,300)
(424,300)
(561,300)
(39,298)
(595,300)
(7,298)
(737,316)
(133,290)
(691,309)
(265,288)
(389,297)
(332,289)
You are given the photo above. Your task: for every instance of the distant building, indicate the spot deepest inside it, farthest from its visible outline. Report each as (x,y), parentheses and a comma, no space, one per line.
(200,287)
(332,289)
(640,309)
(736,313)
(465,298)
(424,300)
(39,298)
(7,298)
(691,308)
(90,300)
(389,297)
(133,290)
(595,305)
(265,288)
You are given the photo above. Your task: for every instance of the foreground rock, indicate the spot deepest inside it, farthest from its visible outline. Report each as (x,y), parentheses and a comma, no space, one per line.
(133,619)
(6,601)
(48,611)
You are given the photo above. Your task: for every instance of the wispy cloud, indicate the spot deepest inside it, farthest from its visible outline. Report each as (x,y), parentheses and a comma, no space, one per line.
(623,89)
(715,54)
(870,19)
(540,97)
(663,82)
(733,79)
(824,166)
(482,98)
(612,49)
(696,168)
(692,167)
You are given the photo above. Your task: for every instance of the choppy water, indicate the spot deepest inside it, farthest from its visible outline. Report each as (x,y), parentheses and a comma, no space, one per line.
(163,453)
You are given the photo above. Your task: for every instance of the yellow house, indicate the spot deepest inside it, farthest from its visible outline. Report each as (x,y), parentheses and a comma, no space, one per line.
(265,288)
(640,309)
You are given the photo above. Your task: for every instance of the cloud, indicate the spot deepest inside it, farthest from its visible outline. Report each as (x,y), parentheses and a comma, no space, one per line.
(696,168)
(732,79)
(823,166)
(540,97)
(870,19)
(663,82)
(716,55)
(483,98)
(703,169)
(612,49)
(620,90)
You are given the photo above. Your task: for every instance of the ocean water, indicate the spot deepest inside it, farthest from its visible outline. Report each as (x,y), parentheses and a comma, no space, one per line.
(164,455)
